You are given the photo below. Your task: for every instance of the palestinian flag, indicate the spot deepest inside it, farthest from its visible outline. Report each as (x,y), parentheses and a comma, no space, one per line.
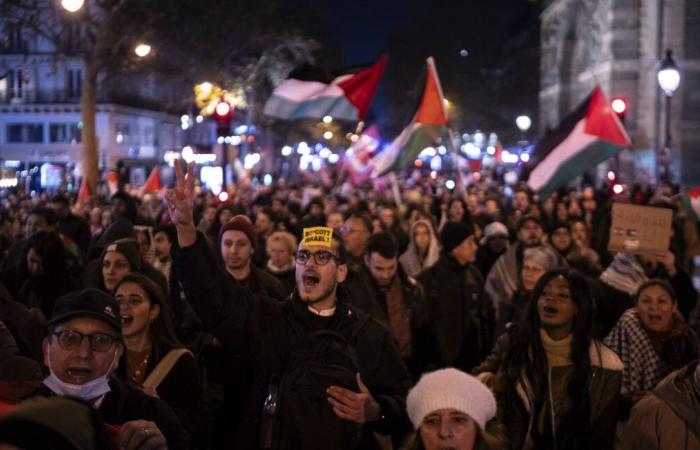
(588,136)
(428,126)
(152,183)
(691,203)
(308,94)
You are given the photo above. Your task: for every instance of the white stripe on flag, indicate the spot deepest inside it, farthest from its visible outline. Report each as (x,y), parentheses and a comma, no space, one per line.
(299,91)
(572,144)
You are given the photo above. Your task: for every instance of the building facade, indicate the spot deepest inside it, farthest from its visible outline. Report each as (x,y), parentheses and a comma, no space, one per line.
(618,45)
(40,116)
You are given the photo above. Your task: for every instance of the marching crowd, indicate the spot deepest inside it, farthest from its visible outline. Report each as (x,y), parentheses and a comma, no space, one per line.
(482,318)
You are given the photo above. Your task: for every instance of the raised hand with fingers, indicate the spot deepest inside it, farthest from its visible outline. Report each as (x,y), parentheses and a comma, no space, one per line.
(180,201)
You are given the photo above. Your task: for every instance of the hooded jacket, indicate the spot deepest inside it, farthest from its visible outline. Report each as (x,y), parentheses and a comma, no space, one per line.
(410,262)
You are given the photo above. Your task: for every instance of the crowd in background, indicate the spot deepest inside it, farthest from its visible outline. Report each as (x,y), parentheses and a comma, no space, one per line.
(567,344)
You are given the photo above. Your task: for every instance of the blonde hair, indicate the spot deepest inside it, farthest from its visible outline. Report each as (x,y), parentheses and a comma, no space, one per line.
(284,237)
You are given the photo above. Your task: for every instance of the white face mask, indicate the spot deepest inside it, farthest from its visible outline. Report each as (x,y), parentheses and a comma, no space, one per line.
(87,391)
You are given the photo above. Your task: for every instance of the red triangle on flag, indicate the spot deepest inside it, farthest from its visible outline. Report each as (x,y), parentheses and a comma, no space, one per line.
(432,107)
(360,88)
(603,122)
(153,182)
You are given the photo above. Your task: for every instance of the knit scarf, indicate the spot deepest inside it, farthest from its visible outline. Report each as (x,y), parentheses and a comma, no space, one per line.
(625,273)
(558,352)
(643,366)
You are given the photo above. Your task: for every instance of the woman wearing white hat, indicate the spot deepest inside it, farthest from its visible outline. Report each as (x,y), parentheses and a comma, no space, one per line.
(450,409)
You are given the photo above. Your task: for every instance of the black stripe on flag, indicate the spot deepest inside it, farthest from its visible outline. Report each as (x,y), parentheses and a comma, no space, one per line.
(554,137)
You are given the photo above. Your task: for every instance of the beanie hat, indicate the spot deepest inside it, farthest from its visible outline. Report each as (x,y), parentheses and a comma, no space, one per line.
(492,230)
(240,223)
(544,257)
(453,234)
(129,248)
(454,389)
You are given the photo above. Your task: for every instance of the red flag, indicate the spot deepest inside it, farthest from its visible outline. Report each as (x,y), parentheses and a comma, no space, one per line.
(153,182)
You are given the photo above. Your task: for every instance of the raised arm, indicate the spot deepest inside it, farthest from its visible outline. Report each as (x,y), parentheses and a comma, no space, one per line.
(225,308)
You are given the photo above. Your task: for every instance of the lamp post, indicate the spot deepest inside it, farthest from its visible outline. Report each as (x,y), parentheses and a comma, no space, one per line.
(669,78)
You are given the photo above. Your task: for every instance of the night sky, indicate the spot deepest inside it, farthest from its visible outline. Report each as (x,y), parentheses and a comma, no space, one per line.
(496,82)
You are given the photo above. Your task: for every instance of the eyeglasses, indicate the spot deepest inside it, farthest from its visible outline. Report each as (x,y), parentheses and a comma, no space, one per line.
(70,340)
(321,258)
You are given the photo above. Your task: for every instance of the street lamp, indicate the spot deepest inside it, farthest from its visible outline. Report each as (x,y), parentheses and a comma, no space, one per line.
(669,78)
(142,50)
(523,123)
(72,5)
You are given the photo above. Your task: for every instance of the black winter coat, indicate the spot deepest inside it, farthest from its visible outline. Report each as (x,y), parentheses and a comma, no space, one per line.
(124,403)
(267,332)
(459,313)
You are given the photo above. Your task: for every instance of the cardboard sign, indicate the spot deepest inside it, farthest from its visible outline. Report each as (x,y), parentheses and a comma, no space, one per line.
(322,236)
(640,229)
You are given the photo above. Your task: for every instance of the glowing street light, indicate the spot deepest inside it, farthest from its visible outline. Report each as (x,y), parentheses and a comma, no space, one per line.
(222,109)
(72,5)
(523,123)
(142,50)
(327,119)
(205,87)
(328,135)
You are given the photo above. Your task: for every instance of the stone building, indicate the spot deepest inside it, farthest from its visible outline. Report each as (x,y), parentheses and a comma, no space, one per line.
(618,44)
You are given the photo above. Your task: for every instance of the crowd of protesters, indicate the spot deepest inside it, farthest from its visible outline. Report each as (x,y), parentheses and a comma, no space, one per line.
(310,316)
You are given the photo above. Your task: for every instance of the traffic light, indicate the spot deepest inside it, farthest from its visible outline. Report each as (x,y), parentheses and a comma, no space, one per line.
(223,113)
(619,105)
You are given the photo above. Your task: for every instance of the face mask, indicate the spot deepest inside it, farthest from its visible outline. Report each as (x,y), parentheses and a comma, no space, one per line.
(88,391)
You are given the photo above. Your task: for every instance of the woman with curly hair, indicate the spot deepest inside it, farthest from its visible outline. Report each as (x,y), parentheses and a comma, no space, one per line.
(558,387)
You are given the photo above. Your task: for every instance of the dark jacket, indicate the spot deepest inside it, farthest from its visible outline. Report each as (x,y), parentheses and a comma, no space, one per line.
(78,230)
(459,313)
(260,282)
(181,389)
(268,332)
(414,302)
(14,366)
(287,278)
(124,403)
(357,289)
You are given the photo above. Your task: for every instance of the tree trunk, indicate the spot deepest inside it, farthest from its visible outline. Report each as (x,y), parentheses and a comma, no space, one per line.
(88,104)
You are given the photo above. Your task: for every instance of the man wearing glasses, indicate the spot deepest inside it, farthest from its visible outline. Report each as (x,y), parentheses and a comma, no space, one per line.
(271,333)
(82,350)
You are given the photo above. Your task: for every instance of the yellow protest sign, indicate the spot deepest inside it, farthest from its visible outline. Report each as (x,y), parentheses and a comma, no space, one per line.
(322,236)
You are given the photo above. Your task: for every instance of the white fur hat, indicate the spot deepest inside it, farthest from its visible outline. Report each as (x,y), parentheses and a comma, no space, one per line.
(450,389)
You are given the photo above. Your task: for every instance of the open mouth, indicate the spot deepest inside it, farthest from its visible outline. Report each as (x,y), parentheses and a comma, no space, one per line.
(127,320)
(550,310)
(78,372)
(655,318)
(310,279)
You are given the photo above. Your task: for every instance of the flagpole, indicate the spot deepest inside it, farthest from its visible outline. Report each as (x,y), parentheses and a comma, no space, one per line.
(395,188)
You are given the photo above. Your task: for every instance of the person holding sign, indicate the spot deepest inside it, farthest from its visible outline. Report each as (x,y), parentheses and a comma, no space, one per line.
(277,335)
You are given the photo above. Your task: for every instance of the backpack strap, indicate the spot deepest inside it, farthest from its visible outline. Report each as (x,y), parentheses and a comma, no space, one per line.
(164,367)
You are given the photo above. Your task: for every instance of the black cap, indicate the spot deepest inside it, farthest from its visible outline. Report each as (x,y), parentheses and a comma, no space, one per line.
(87,302)
(529,218)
